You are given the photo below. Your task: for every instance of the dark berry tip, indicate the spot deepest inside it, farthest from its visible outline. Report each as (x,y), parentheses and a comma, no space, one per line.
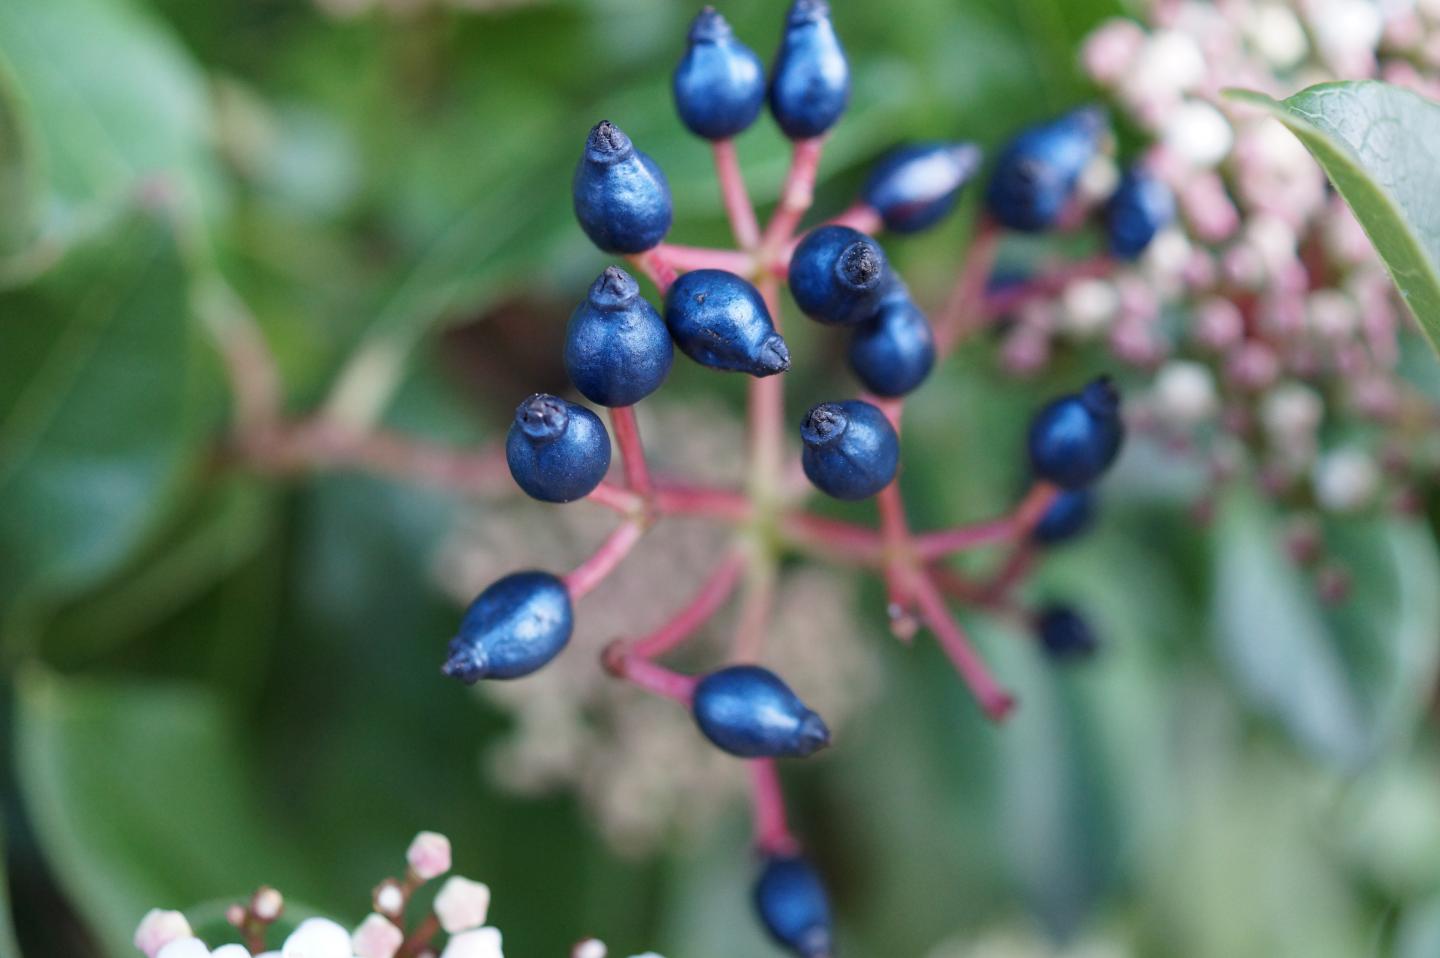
(824,424)
(607,142)
(813,734)
(466,662)
(542,417)
(613,289)
(773,356)
(860,265)
(1092,118)
(709,26)
(1101,397)
(968,157)
(808,11)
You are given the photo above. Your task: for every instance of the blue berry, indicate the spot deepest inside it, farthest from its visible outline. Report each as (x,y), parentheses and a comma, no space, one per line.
(514,627)
(1075,438)
(913,187)
(894,350)
(793,906)
(720,320)
(557,451)
(1064,634)
(851,450)
(622,198)
(1140,207)
(720,83)
(1036,174)
(837,275)
(810,82)
(617,348)
(748,711)
(1069,515)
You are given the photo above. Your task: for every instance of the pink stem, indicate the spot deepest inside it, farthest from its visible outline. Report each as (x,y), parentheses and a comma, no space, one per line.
(766,410)
(713,593)
(1017,566)
(755,609)
(838,540)
(703,501)
(960,315)
(1016,525)
(654,265)
(797,194)
(590,573)
(896,533)
(649,676)
(632,452)
(862,216)
(737,199)
(772,830)
(1045,285)
(995,701)
(613,497)
(686,258)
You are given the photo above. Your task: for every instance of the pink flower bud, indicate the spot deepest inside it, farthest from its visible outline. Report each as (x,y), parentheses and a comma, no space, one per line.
(462,904)
(589,948)
(429,855)
(1110,49)
(267,904)
(1218,324)
(317,938)
(158,928)
(377,937)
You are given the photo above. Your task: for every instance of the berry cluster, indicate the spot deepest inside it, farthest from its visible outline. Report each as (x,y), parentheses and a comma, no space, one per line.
(722,309)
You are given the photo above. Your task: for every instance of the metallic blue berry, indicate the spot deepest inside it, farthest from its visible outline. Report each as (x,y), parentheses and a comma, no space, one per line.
(514,627)
(748,711)
(837,275)
(913,187)
(720,320)
(1070,514)
(1140,208)
(1064,634)
(793,906)
(622,198)
(720,83)
(557,451)
(810,82)
(617,349)
(893,351)
(1036,174)
(851,450)
(1075,438)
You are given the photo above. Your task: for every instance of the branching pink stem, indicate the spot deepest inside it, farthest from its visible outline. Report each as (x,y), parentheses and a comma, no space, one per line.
(962,312)
(993,699)
(796,195)
(649,676)
(723,504)
(862,217)
(686,258)
(590,573)
(613,497)
(737,198)
(833,538)
(632,452)
(1015,526)
(654,265)
(772,829)
(899,561)
(716,588)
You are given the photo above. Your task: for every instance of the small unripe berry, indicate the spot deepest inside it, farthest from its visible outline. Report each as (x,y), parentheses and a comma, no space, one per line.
(1070,514)
(1036,174)
(893,351)
(748,711)
(810,81)
(514,627)
(851,450)
(793,906)
(1064,635)
(915,186)
(622,198)
(557,451)
(720,320)
(617,349)
(837,275)
(1075,438)
(719,84)
(1140,208)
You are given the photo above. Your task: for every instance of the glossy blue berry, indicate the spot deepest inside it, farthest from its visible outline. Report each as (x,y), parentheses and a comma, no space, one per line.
(837,275)
(1064,634)
(1140,208)
(914,187)
(893,351)
(1075,438)
(720,320)
(1036,174)
(810,81)
(851,450)
(1070,514)
(748,711)
(617,348)
(622,198)
(514,627)
(557,451)
(793,906)
(720,83)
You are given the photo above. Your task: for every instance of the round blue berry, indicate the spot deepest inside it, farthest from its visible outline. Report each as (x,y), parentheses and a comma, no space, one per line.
(893,351)
(913,187)
(837,275)
(793,906)
(1070,514)
(1140,208)
(810,82)
(851,450)
(1075,438)
(1036,174)
(748,711)
(622,198)
(557,451)
(1064,634)
(514,627)
(720,83)
(720,320)
(617,348)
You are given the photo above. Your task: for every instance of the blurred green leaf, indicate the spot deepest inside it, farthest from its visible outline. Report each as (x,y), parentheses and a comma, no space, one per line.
(17,172)
(9,947)
(1419,933)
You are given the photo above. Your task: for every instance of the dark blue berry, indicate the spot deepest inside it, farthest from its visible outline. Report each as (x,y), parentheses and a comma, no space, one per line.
(514,627)
(1036,174)
(851,450)
(793,906)
(913,187)
(837,275)
(894,350)
(720,83)
(810,82)
(1140,208)
(617,348)
(747,711)
(557,451)
(1064,634)
(1069,515)
(1075,438)
(720,320)
(622,199)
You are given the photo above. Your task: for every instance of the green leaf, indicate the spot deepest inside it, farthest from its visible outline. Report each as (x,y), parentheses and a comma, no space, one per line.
(9,947)
(16,168)
(1377,143)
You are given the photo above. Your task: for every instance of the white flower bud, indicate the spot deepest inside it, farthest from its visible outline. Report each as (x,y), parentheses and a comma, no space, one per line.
(589,948)
(1346,480)
(1291,413)
(1088,305)
(158,928)
(1199,133)
(184,948)
(462,904)
(230,951)
(1185,393)
(1277,35)
(389,899)
(1099,178)
(377,937)
(1170,61)
(429,855)
(317,938)
(1332,314)
(478,943)
(267,904)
